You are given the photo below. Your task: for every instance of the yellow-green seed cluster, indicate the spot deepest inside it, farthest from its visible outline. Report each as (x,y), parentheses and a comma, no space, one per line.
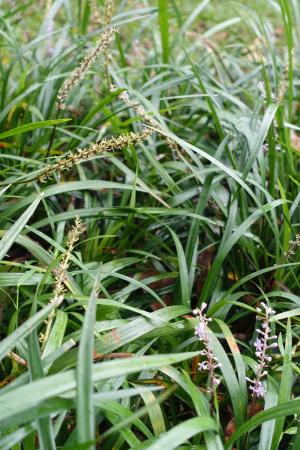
(148,120)
(67,162)
(80,72)
(108,11)
(61,273)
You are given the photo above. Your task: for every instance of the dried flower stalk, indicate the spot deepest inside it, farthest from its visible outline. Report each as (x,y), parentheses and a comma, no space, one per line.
(138,108)
(108,12)
(67,162)
(210,362)
(61,274)
(148,120)
(80,72)
(262,346)
(17,359)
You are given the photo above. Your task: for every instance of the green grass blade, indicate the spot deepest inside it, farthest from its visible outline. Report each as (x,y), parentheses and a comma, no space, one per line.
(284,394)
(267,429)
(85,407)
(29,396)
(31,126)
(164,29)
(45,431)
(180,433)
(12,234)
(277,412)
(183,272)
(155,413)
(24,330)
(260,137)
(229,243)
(57,333)
(8,441)
(128,333)
(236,392)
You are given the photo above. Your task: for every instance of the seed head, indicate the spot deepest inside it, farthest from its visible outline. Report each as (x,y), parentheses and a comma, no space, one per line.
(61,274)
(67,162)
(80,72)
(108,11)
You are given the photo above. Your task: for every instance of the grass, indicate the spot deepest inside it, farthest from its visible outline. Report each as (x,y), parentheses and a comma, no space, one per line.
(98,345)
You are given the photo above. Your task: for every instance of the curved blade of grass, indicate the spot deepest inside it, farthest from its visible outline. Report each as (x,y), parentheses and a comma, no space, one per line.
(7,442)
(202,201)
(196,11)
(27,278)
(85,407)
(285,385)
(260,137)
(123,335)
(72,186)
(39,411)
(24,330)
(180,434)
(17,99)
(12,234)
(45,431)
(121,211)
(28,396)
(56,405)
(183,271)
(213,441)
(33,247)
(222,26)
(155,412)
(224,302)
(277,412)
(237,393)
(132,417)
(32,126)
(239,362)
(122,419)
(229,243)
(57,333)
(267,428)
(227,170)
(296,442)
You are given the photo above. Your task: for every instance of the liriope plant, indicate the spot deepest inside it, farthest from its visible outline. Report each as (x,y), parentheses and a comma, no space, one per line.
(174,324)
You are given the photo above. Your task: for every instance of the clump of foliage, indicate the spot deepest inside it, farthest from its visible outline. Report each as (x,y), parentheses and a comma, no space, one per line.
(149,170)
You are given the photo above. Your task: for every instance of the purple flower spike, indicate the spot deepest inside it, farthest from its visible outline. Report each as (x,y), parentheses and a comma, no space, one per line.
(262,345)
(210,362)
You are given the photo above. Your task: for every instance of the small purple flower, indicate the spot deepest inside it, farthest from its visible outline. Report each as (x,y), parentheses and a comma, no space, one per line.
(203,366)
(200,330)
(258,344)
(257,389)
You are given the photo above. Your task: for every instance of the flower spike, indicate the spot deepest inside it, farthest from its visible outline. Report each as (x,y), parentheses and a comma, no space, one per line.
(262,346)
